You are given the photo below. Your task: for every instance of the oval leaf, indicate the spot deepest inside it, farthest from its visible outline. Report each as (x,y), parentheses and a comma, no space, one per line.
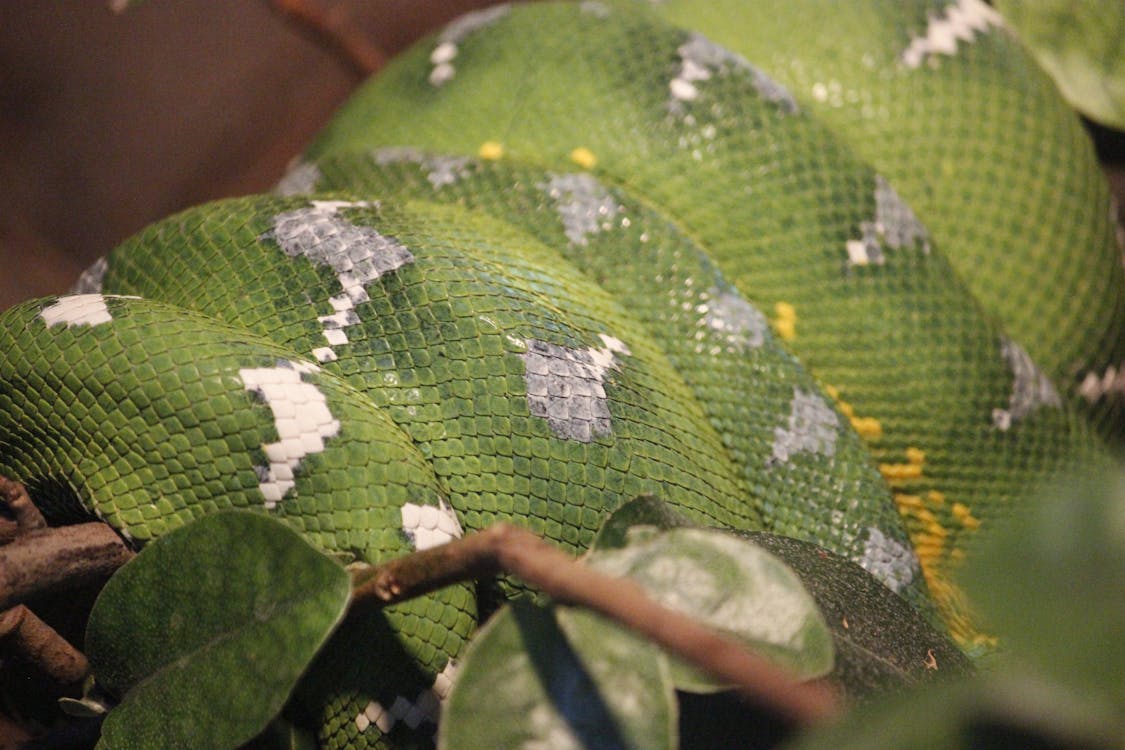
(882,643)
(1051,582)
(641,511)
(548,677)
(1001,710)
(731,585)
(205,633)
(1080,43)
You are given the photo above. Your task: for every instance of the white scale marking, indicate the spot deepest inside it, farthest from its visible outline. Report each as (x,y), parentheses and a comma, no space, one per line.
(447,48)
(701,58)
(567,386)
(428,526)
(301,416)
(962,20)
(77,310)
(426,707)
(358,255)
(1111,382)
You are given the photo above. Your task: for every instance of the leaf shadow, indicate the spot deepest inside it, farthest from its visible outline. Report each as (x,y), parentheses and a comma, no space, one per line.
(566,680)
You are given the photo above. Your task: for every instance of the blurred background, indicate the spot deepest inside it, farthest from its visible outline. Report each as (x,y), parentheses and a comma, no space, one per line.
(112,121)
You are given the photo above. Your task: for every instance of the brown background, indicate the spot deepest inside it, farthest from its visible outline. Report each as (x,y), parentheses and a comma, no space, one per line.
(109,122)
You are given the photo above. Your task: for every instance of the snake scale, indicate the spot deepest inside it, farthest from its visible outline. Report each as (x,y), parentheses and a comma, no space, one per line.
(842,271)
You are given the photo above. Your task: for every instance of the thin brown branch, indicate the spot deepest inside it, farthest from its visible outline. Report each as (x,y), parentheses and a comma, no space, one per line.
(24,636)
(336,26)
(15,496)
(47,559)
(506,549)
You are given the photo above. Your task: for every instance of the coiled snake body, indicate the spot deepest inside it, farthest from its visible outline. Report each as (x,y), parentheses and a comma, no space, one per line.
(565,254)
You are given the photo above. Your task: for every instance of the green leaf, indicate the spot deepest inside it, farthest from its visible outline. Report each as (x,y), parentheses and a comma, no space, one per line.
(282,734)
(731,585)
(641,511)
(1081,43)
(882,643)
(1002,710)
(552,677)
(204,634)
(1051,583)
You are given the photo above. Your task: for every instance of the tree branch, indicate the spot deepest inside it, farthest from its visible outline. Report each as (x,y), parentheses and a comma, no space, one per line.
(27,516)
(337,27)
(506,549)
(46,559)
(41,559)
(26,637)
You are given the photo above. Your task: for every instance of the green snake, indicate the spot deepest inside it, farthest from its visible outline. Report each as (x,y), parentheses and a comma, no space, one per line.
(846,272)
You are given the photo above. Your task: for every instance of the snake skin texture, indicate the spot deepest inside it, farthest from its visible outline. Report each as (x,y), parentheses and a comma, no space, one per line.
(860,289)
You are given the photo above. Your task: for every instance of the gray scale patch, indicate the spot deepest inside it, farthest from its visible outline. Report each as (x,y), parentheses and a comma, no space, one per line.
(390,155)
(90,280)
(583,204)
(567,387)
(594,8)
(812,428)
(701,58)
(895,220)
(460,28)
(896,226)
(441,169)
(358,255)
(892,563)
(739,323)
(301,178)
(453,34)
(1031,388)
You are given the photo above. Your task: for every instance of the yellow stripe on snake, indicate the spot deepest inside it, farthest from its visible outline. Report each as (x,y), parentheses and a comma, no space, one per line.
(841,271)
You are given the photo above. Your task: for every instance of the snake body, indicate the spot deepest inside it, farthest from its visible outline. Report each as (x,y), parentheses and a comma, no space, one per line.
(564,254)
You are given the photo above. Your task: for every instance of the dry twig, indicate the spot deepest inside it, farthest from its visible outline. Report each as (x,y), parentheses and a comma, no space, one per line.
(506,549)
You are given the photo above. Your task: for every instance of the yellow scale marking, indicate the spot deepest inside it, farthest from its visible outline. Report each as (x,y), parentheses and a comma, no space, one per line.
(491,150)
(584,157)
(927,533)
(786,321)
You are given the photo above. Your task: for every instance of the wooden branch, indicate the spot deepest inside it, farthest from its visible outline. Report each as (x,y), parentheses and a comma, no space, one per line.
(46,559)
(336,26)
(9,530)
(14,495)
(24,636)
(506,549)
